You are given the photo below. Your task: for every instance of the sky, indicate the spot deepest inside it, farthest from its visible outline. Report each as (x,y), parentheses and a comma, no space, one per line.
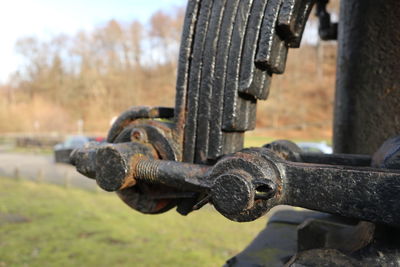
(44,18)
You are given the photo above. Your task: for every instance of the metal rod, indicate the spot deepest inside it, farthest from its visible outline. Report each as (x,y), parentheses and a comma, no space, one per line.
(175,174)
(336,159)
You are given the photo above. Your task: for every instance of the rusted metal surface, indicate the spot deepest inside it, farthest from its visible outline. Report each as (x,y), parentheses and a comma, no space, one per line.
(137,113)
(194,156)
(247,184)
(204,130)
(259,182)
(114,165)
(217,91)
(145,198)
(137,132)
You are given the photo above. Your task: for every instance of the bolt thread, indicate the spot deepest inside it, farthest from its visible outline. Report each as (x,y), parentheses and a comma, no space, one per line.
(147,170)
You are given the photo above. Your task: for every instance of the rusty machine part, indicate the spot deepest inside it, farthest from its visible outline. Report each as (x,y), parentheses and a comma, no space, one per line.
(217,91)
(247,184)
(185,157)
(159,158)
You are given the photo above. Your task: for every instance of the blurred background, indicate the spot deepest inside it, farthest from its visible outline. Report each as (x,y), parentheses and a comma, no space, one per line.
(67,69)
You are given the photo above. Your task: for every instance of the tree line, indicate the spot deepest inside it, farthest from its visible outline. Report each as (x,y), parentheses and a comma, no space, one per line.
(94,75)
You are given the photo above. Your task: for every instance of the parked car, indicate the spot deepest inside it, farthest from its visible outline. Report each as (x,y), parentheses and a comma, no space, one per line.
(63,150)
(99,139)
(315,147)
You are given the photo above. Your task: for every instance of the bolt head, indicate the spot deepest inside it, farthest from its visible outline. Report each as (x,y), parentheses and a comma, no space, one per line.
(112,168)
(138,135)
(233,193)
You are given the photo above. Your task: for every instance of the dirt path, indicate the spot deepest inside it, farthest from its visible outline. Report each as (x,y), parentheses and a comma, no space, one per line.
(42,168)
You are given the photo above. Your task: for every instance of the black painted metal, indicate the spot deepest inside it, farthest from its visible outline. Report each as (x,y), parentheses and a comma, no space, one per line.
(253,81)
(210,71)
(367,92)
(362,193)
(292,19)
(229,51)
(208,89)
(195,79)
(237,110)
(336,159)
(356,192)
(216,136)
(270,42)
(234,48)
(327,30)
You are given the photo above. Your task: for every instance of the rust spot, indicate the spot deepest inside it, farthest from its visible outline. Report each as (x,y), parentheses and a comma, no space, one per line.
(137,135)
(154,113)
(387,92)
(129,182)
(134,161)
(162,204)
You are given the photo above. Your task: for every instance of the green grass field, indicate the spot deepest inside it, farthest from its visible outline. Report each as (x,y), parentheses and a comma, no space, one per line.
(46,225)
(256,141)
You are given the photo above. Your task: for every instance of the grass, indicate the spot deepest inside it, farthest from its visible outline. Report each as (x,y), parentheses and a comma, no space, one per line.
(46,225)
(257,141)
(32,150)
